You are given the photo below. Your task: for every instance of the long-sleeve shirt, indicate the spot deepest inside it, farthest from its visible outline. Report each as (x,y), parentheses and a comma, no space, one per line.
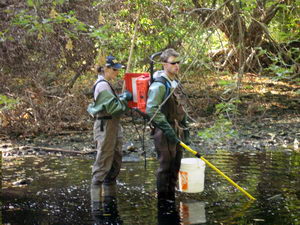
(105,101)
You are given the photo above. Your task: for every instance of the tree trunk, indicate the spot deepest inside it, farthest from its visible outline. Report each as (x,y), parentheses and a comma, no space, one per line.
(235,29)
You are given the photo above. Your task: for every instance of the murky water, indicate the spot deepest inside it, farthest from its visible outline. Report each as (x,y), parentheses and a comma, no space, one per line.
(57,192)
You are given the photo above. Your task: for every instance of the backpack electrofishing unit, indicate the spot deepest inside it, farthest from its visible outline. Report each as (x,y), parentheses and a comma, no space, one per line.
(138,84)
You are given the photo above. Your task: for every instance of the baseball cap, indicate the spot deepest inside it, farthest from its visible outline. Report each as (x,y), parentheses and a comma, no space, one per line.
(111,63)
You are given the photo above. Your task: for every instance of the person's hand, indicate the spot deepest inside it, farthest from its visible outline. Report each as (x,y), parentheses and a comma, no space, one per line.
(187,139)
(171,136)
(174,140)
(127,96)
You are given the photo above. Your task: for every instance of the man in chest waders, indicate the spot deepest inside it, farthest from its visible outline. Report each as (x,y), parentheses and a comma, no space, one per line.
(169,122)
(107,109)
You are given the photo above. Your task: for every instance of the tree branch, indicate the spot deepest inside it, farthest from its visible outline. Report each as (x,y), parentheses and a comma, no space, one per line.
(271,12)
(196,4)
(75,77)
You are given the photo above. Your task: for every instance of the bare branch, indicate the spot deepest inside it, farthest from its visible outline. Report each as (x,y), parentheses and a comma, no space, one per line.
(259,10)
(271,12)
(196,3)
(200,10)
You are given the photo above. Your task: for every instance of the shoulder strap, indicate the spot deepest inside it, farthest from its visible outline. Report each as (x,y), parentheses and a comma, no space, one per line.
(167,84)
(94,87)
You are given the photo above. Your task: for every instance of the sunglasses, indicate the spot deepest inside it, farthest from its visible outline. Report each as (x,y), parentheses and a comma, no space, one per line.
(174,63)
(115,69)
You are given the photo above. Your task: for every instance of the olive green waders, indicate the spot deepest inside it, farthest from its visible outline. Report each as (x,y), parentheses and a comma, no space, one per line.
(108,136)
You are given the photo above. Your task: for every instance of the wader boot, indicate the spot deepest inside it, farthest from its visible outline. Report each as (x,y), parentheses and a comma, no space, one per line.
(102,192)
(109,190)
(96,191)
(110,214)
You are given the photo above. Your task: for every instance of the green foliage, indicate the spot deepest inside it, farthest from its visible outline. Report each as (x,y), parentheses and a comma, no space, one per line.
(70,19)
(102,33)
(280,71)
(3,36)
(7,103)
(228,108)
(33,3)
(279,68)
(58,2)
(226,83)
(33,23)
(285,26)
(221,131)
(55,42)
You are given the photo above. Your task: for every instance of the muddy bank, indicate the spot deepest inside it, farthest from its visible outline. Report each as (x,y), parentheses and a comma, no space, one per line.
(255,134)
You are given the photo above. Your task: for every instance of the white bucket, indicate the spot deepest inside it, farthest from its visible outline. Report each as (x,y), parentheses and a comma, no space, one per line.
(191,175)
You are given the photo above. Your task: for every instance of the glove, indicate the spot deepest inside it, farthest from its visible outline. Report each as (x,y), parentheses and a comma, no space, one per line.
(171,136)
(126,96)
(186,134)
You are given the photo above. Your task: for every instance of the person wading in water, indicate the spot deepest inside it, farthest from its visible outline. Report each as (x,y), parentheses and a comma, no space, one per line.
(107,109)
(170,124)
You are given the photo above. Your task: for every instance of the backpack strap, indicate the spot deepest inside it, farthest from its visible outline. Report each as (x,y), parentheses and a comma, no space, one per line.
(166,83)
(113,91)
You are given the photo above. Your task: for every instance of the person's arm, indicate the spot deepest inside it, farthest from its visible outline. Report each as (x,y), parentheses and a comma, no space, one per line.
(106,101)
(156,96)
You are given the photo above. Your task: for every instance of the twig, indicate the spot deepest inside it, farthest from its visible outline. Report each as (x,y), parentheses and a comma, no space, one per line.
(132,47)
(133,42)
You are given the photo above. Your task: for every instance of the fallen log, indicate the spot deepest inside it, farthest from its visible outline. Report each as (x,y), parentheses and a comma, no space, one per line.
(58,150)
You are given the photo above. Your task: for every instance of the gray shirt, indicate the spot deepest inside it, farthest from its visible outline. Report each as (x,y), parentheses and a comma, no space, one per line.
(101,86)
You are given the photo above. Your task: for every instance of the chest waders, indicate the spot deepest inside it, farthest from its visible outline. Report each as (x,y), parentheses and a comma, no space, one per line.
(169,154)
(108,135)
(103,118)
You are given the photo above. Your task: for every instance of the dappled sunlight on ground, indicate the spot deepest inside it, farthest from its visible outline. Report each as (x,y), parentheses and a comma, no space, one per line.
(258,94)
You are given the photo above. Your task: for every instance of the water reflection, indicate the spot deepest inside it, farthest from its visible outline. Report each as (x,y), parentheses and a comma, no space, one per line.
(188,212)
(58,195)
(104,207)
(167,213)
(106,212)
(192,212)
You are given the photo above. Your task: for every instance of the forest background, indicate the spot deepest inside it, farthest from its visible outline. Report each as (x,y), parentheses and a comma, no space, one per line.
(241,58)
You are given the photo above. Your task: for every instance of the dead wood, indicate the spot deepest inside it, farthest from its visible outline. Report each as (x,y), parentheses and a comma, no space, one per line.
(47,149)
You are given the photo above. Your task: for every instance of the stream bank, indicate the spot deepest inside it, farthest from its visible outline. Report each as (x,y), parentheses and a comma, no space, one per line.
(256,134)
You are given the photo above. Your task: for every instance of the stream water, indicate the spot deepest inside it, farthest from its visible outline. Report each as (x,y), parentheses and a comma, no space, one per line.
(55,190)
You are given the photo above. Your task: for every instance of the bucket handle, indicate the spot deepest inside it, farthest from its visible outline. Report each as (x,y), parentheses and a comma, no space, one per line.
(200,163)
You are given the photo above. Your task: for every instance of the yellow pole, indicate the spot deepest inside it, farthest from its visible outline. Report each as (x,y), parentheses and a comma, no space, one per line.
(217,170)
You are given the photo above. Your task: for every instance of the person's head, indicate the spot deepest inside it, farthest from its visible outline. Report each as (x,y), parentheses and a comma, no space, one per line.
(170,60)
(111,68)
